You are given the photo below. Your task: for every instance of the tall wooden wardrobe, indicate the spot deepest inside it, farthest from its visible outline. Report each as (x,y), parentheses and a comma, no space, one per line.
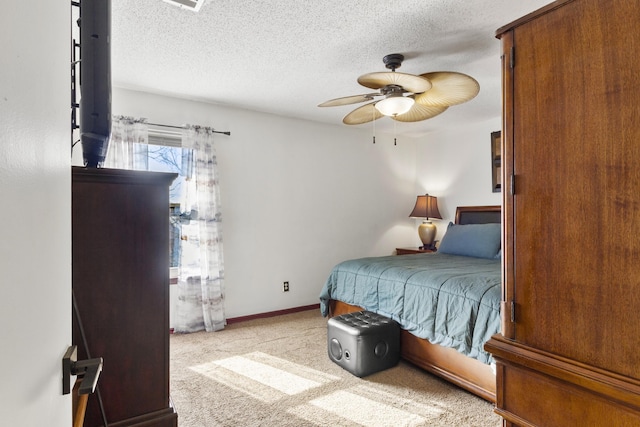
(120,253)
(569,351)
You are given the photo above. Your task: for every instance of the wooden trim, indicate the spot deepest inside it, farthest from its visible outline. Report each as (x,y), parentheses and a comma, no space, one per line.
(609,385)
(447,363)
(507,326)
(531,16)
(273,313)
(512,420)
(467,373)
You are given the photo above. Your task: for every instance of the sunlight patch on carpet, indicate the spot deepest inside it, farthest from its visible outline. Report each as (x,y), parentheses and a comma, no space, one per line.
(431,409)
(368,405)
(361,410)
(263,376)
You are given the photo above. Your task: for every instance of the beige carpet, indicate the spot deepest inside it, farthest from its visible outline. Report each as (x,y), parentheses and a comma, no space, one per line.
(276,372)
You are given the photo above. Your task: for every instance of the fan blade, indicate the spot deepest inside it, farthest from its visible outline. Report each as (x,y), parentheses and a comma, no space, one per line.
(409,82)
(448,88)
(420,112)
(364,114)
(348,100)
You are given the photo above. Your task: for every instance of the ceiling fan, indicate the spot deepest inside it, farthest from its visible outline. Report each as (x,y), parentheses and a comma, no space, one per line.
(406,97)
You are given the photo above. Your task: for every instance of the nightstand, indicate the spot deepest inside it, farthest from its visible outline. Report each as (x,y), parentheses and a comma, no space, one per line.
(406,251)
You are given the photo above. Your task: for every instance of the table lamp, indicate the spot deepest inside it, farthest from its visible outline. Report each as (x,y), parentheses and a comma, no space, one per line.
(426,207)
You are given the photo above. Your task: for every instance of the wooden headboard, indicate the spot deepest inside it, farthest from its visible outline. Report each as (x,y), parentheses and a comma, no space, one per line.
(478,214)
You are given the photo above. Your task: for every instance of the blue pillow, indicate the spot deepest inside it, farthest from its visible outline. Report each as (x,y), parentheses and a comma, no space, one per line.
(475,240)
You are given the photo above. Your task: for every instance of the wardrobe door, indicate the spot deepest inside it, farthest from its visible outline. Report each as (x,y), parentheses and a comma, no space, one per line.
(568,352)
(576,162)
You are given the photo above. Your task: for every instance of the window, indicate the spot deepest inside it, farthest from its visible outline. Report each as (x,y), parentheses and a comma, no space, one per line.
(165,154)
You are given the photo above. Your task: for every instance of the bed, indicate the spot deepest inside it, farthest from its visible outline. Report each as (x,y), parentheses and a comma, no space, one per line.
(447,303)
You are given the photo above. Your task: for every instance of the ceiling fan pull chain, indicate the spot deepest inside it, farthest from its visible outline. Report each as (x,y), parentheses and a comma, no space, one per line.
(395,132)
(373,112)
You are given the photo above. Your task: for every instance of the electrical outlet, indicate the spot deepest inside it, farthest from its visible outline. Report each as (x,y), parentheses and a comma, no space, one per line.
(285,286)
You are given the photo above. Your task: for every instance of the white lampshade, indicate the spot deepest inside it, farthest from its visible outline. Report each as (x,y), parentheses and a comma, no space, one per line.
(394,104)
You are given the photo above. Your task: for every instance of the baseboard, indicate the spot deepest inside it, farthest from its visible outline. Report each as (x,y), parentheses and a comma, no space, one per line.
(273,313)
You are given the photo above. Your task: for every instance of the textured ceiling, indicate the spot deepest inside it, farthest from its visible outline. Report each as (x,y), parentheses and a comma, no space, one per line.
(285,57)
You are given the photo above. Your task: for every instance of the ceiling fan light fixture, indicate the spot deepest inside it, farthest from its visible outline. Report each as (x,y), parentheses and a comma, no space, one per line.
(394,104)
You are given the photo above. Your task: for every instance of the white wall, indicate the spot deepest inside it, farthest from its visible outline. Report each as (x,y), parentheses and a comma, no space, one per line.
(35,183)
(455,166)
(297,197)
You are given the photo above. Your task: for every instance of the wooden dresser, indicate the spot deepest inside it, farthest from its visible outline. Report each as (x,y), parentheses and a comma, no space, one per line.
(121,286)
(569,352)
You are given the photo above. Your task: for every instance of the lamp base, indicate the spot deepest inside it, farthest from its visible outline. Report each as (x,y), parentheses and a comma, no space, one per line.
(431,247)
(427,232)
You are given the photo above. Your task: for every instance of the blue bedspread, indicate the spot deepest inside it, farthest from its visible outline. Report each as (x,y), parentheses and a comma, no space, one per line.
(449,300)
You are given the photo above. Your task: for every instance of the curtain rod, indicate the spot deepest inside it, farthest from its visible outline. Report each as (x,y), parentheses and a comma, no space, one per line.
(182,127)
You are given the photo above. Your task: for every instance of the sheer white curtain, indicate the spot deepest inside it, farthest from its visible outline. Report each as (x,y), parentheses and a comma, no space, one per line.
(200,303)
(128,144)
